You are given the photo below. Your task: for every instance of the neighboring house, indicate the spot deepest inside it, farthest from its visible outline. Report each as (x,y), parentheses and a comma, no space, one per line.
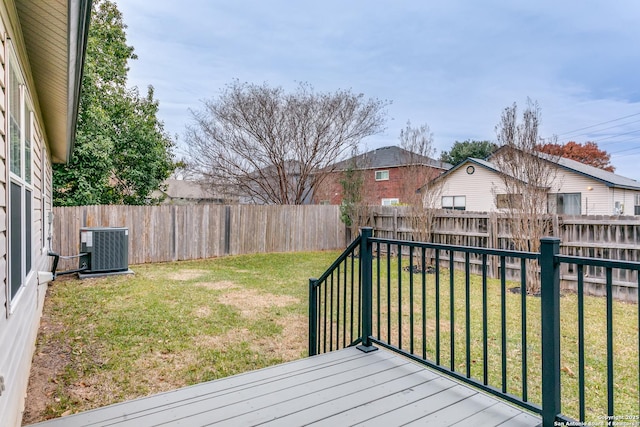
(577,189)
(390,175)
(185,192)
(42,46)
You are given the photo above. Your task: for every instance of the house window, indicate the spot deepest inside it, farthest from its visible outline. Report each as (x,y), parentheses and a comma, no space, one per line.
(458,203)
(636,207)
(509,201)
(382,175)
(20,182)
(566,203)
(390,202)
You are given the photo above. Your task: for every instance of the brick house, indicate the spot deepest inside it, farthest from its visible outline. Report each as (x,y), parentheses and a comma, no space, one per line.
(390,175)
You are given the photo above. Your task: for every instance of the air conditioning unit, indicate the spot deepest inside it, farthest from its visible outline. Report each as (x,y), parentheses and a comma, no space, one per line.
(104,249)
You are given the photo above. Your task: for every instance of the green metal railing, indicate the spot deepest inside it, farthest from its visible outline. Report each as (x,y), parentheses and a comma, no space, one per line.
(438,305)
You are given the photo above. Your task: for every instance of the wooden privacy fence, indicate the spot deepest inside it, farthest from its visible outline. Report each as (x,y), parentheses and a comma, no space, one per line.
(608,237)
(171,233)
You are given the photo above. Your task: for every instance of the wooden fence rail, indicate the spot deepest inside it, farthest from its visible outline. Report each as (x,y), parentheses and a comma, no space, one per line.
(170,233)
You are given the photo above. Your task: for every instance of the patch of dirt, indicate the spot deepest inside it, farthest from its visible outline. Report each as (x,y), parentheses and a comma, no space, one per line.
(186,274)
(202,312)
(217,286)
(49,361)
(292,342)
(252,303)
(234,336)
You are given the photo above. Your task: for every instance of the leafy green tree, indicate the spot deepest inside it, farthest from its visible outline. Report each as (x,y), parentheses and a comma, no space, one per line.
(121,153)
(469,148)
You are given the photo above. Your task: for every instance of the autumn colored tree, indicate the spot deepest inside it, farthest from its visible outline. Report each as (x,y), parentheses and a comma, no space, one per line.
(587,153)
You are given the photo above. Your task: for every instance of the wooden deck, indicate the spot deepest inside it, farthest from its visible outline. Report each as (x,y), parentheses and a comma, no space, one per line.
(346,387)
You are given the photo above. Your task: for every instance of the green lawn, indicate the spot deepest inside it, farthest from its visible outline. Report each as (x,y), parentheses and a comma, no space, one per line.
(625,337)
(176,324)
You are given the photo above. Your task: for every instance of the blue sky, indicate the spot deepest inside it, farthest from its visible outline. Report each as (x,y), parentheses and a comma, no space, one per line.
(452,64)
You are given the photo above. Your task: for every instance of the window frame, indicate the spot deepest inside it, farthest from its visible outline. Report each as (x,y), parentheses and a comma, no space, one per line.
(553,202)
(20,179)
(454,206)
(384,175)
(390,201)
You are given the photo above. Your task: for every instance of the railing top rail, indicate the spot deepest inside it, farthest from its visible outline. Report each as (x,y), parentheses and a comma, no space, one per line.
(457,248)
(599,262)
(340,259)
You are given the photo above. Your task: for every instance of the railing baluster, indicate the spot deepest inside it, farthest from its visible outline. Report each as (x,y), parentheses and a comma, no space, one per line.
(399,296)
(360,295)
(331,315)
(313,317)
(523,314)
(581,385)
(338,307)
(344,304)
(324,331)
(609,342)
(485,349)
(389,293)
(503,319)
(352,290)
(467,297)
(437,306)
(378,288)
(424,304)
(452,313)
(411,299)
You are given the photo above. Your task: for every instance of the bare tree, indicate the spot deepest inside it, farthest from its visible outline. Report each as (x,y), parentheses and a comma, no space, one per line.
(527,177)
(274,147)
(420,170)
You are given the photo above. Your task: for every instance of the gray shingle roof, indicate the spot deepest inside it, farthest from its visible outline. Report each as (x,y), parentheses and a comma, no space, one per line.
(388,157)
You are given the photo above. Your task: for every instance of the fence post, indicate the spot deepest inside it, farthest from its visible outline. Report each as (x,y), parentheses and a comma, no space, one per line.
(550,312)
(313,317)
(367,289)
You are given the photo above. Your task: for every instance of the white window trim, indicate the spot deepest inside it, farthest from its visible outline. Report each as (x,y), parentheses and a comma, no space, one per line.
(18,179)
(381,172)
(453,202)
(390,201)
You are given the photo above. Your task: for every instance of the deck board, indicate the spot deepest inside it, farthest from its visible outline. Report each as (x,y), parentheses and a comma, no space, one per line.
(346,387)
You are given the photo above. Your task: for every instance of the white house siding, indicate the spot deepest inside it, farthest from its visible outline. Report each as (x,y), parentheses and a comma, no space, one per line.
(479,188)
(594,202)
(19,319)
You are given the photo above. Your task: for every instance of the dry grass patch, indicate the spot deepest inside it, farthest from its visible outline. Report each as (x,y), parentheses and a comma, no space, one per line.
(230,338)
(252,303)
(217,286)
(202,312)
(186,274)
(292,342)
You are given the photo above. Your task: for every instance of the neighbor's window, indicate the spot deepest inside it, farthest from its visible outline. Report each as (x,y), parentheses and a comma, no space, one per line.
(454,202)
(509,201)
(382,175)
(636,208)
(20,180)
(390,202)
(566,203)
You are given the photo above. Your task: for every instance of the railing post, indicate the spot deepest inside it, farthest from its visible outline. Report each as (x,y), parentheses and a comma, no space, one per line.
(550,312)
(313,317)
(366,255)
